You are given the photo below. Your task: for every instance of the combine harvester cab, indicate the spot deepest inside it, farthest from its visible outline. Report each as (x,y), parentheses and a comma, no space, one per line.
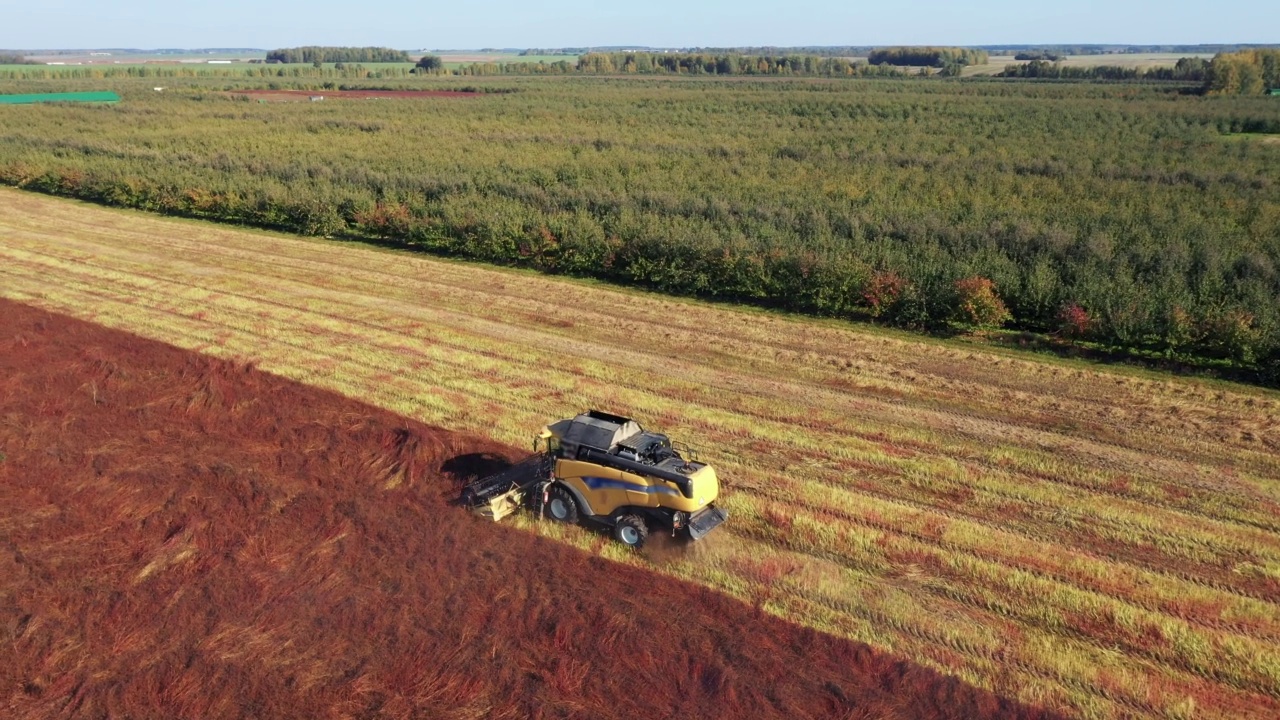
(608,469)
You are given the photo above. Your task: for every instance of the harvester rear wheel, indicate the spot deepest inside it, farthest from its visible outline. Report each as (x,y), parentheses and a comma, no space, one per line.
(560,505)
(631,530)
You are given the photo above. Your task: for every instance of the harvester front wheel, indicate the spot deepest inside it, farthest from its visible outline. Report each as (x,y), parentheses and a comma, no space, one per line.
(560,505)
(631,531)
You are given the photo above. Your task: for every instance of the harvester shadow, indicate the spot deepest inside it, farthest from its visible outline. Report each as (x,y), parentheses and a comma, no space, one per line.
(462,469)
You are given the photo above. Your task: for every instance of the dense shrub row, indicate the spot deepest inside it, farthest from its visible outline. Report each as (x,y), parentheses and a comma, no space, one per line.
(1119,214)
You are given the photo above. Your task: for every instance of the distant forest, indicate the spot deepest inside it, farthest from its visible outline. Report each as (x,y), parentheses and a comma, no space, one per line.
(1210,49)
(927,56)
(1189,69)
(866,50)
(651,63)
(313,54)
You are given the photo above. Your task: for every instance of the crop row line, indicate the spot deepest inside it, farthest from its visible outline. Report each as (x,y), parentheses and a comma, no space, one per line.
(1028,533)
(759,415)
(929,636)
(987,606)
(938,544)
(938,509)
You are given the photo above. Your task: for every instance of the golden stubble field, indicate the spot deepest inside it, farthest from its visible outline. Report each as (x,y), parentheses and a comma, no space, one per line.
(1101,542)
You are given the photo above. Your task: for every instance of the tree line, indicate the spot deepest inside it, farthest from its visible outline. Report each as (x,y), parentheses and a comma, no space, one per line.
(1201,49)
(1248,72)
(1046,69)
(927,56)
(864,50)
(725,64)
(623,63)
(314,54)
(845,51)
(640,63)
(1189,69)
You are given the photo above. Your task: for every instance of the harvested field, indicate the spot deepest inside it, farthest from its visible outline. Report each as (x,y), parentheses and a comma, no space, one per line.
(1096,541)
(1138,61)
(190,537)
(302,95)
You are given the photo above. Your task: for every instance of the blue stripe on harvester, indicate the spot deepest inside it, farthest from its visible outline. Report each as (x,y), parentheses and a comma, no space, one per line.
(596,483)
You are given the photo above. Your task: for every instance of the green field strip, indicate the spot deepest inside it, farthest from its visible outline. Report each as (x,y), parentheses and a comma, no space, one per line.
(1042,658)
(885,609)
(320,249)
(75,97)
(1054,534)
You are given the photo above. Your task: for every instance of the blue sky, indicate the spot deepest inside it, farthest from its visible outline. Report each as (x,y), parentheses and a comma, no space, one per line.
(412,24)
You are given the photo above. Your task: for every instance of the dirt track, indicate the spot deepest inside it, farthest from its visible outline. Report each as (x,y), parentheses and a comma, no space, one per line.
(183,536)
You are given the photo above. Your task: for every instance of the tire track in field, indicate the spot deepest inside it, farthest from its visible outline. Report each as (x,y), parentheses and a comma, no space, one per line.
(882,496)
(745,387)
(533,365)
(728,409)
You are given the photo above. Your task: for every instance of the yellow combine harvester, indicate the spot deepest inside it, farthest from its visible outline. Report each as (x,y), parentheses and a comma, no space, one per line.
(607,469)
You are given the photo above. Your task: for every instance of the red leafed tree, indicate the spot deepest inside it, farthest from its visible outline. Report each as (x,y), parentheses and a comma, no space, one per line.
(882,291)
(1074,321)
(978,304)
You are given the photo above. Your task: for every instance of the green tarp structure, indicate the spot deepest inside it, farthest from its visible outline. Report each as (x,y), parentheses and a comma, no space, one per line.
(1275,91)
(92,97)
